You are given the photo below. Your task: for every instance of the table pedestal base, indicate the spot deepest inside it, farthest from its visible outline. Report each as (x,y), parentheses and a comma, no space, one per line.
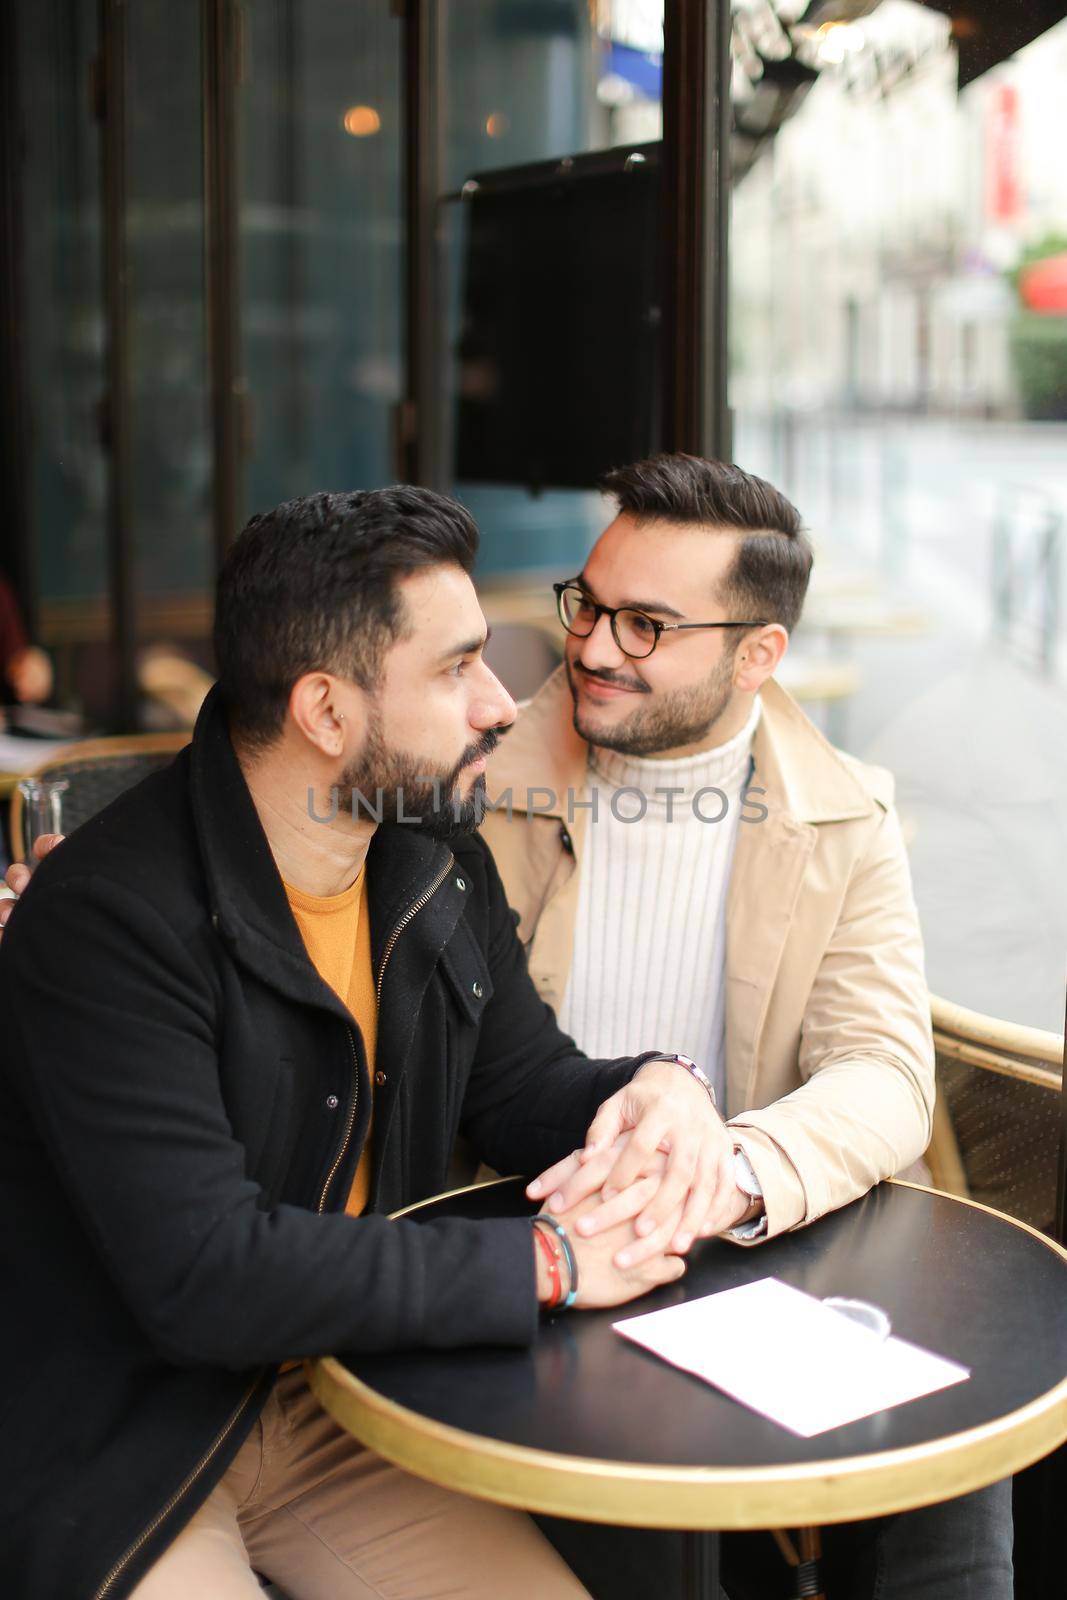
(700,1566)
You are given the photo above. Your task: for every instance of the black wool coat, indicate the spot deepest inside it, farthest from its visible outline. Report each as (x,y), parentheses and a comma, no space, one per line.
(184,1103)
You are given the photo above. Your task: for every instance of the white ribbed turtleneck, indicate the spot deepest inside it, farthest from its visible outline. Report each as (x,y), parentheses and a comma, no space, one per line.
(650,937)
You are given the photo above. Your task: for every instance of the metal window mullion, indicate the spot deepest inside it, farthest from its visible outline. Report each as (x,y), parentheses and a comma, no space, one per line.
(18,549)
(716,421)
(117,360)
(419,453)
(220,23)
(697,125)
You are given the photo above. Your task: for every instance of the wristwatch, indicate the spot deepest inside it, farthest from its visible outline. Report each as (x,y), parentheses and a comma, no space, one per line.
(745,1175)
(754,1223)
(690,1066)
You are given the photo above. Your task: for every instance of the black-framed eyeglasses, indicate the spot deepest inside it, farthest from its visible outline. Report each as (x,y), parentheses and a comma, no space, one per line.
(635,633)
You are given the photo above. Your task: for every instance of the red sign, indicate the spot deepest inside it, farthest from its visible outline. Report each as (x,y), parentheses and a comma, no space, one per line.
(1004,202)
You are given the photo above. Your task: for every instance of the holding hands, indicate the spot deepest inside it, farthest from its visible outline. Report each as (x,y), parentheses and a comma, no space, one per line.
(657,1171)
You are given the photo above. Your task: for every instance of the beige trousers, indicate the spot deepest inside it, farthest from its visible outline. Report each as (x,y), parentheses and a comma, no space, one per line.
(308,1507)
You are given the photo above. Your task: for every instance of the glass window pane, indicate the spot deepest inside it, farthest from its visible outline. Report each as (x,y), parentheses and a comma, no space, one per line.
(170,435)
(524,83)
(529,82)
(321,245)
(63,342)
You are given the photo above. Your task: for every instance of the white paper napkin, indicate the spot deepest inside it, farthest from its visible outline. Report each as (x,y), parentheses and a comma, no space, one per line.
(789,1357)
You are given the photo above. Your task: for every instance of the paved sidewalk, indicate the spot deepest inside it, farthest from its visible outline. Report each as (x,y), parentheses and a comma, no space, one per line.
(975,734)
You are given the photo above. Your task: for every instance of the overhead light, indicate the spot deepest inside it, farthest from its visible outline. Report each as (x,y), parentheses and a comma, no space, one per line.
(361,121)
(496,125)
(838,40)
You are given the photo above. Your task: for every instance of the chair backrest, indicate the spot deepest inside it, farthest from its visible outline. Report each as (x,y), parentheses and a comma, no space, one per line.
(998,1124)
(97,772)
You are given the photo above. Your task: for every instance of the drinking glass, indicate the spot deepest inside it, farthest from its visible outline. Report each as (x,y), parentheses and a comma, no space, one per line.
(42,801)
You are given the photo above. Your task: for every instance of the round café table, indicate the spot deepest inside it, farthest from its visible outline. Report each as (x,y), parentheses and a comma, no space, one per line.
(587,1425)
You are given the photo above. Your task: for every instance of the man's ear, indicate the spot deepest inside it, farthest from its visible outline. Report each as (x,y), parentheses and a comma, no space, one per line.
(758,656)
(330,713)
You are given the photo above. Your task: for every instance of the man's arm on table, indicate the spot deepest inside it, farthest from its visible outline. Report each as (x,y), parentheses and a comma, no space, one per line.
(111,1020)
(864,1112)
(866,1053)
(534,1099)
(112,1051)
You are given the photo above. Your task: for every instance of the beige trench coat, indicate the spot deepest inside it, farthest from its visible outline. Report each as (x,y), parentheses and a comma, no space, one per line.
(829,1056)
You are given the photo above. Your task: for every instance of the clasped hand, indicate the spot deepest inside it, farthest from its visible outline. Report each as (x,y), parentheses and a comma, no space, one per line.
(659,1157)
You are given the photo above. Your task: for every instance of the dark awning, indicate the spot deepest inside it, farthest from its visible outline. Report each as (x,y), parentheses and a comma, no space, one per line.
(776,57)
(988,31)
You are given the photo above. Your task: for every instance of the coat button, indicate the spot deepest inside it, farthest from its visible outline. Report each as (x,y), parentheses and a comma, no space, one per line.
(476,991)
(461,883)
(379,1078)
(332,1101)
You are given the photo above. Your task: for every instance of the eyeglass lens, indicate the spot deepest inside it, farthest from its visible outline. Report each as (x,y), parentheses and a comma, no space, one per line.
(633,631)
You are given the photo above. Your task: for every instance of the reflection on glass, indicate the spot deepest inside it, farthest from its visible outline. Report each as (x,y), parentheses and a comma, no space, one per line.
(170,442)
(63,331)
(527,83)
(524,83)
(321,245)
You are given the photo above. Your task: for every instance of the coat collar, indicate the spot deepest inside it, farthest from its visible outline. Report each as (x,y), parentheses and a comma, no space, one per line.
(542,753)
(248,901)
(802,773)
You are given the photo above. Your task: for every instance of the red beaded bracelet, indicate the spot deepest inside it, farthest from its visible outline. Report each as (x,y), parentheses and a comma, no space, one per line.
(552,1263)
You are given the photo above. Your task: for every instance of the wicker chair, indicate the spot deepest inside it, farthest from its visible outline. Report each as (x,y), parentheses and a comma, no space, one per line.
(97,771)
(998,1119)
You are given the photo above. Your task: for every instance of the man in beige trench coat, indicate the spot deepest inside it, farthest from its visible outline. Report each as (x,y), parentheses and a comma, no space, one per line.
(829,1060)
(690,860)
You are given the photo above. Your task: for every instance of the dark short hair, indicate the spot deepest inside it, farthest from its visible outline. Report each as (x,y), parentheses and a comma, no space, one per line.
(311,586)
(769,577)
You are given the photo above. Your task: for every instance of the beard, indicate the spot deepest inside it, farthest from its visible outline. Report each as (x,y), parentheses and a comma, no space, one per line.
(398,787)
(681,717)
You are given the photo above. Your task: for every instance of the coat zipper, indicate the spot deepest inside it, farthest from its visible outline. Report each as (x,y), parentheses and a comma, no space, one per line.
(409,915)
(178,1495)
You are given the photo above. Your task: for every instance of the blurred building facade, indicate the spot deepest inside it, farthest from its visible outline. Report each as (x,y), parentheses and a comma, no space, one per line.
(902,208)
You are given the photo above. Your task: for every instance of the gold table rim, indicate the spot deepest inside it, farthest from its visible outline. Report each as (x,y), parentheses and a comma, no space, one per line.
(659,1496)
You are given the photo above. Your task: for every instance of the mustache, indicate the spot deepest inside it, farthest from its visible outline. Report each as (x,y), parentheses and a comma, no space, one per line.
(482,747)
(614,678)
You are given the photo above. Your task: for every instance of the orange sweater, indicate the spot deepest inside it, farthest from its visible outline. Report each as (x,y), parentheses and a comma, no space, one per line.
(336,933)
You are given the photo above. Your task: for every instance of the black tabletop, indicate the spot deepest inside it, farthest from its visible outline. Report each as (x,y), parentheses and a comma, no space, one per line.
(955,1278)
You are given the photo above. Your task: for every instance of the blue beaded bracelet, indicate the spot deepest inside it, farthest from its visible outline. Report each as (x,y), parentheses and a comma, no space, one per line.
(572,1266)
